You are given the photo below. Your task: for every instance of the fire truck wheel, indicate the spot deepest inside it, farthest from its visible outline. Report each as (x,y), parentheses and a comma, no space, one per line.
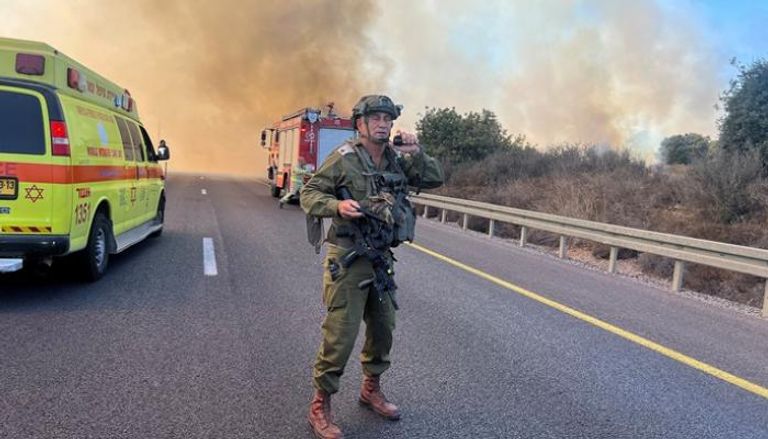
(95,256)
(274,190)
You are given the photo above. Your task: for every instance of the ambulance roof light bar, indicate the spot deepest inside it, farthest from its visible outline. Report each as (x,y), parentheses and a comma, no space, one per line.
(29,64)
(76,80)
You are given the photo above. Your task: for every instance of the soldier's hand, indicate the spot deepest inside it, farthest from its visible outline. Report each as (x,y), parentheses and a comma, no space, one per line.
(349,209)
(410,142)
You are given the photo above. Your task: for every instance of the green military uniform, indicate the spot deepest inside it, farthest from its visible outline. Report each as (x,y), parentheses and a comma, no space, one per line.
(346,303)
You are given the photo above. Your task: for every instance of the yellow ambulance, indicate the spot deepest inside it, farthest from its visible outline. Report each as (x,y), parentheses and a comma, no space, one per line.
(78,171)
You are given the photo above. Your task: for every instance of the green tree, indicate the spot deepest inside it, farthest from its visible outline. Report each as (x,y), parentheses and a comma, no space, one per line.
(745,124)
(682,149)
(456,138)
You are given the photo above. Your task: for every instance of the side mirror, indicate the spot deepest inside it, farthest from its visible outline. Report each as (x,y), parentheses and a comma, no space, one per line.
(263,137)
(163,153)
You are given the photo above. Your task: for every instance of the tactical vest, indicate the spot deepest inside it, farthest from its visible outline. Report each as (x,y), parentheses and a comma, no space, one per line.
(387,197)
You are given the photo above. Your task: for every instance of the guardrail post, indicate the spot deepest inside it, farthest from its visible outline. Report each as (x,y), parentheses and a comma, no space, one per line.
(612,260)
(677,276)
(491,226)
(765,300)
(563,247)
(426,211)
(523,236)
(465,221)
(443,215)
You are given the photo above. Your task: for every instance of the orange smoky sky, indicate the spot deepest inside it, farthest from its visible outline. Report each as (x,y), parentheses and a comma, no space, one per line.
(208,76)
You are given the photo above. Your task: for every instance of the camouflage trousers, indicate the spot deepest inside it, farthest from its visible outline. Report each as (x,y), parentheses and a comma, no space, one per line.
(347,306)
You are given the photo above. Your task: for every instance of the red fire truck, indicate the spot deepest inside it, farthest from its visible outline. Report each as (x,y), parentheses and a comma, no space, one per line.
(305,133)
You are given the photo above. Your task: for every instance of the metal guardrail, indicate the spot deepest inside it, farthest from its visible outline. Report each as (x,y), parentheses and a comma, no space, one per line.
(681,249)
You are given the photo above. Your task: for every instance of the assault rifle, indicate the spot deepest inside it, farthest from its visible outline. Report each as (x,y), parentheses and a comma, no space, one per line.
(371,238)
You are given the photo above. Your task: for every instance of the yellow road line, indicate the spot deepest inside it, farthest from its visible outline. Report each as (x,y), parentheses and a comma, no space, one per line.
(692,362)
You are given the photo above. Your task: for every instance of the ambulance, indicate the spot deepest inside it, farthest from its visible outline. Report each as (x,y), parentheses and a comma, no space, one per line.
(79,174)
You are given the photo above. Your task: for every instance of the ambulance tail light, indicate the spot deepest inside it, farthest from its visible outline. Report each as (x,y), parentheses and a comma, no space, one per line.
(59,138)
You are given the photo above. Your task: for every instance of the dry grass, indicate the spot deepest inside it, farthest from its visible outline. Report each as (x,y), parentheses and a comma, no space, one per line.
(712,201)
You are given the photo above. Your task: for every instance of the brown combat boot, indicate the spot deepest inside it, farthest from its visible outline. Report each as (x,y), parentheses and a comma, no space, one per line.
(320,418)
(372,397)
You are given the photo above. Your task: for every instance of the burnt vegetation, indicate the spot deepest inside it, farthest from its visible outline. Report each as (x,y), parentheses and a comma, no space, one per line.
(703,188)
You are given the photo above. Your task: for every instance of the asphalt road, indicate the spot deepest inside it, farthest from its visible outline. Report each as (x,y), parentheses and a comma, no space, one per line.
(159,349)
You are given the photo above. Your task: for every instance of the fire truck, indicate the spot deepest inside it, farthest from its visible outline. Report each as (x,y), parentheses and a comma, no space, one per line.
(306,133)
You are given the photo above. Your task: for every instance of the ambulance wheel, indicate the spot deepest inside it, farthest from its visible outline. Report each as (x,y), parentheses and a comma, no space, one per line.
(95,257)
(159,218)
(274,190)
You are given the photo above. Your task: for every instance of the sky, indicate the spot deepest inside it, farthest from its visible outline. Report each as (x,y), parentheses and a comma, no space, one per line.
(208,76)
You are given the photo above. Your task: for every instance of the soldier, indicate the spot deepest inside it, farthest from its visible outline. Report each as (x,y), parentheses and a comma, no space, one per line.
(355,289)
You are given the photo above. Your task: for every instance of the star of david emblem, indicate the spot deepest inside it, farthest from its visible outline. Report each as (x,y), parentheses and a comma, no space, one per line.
(34,193)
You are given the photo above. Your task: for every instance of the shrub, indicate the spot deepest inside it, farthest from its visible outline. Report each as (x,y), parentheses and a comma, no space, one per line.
(722,181)
(683,149)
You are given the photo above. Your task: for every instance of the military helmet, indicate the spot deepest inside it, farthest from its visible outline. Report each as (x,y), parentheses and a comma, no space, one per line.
(373,103)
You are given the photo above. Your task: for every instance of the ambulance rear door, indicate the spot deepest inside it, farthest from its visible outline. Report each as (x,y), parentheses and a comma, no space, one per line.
(27,174)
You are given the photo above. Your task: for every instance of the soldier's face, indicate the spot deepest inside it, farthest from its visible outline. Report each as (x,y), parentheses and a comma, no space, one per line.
(379,126)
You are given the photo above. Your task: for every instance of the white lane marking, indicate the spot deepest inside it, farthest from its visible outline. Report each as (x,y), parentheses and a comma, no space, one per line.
(209,258)
(203,191)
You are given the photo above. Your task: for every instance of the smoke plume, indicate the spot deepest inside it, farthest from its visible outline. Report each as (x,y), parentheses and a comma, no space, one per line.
(618,73)
(208,76)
